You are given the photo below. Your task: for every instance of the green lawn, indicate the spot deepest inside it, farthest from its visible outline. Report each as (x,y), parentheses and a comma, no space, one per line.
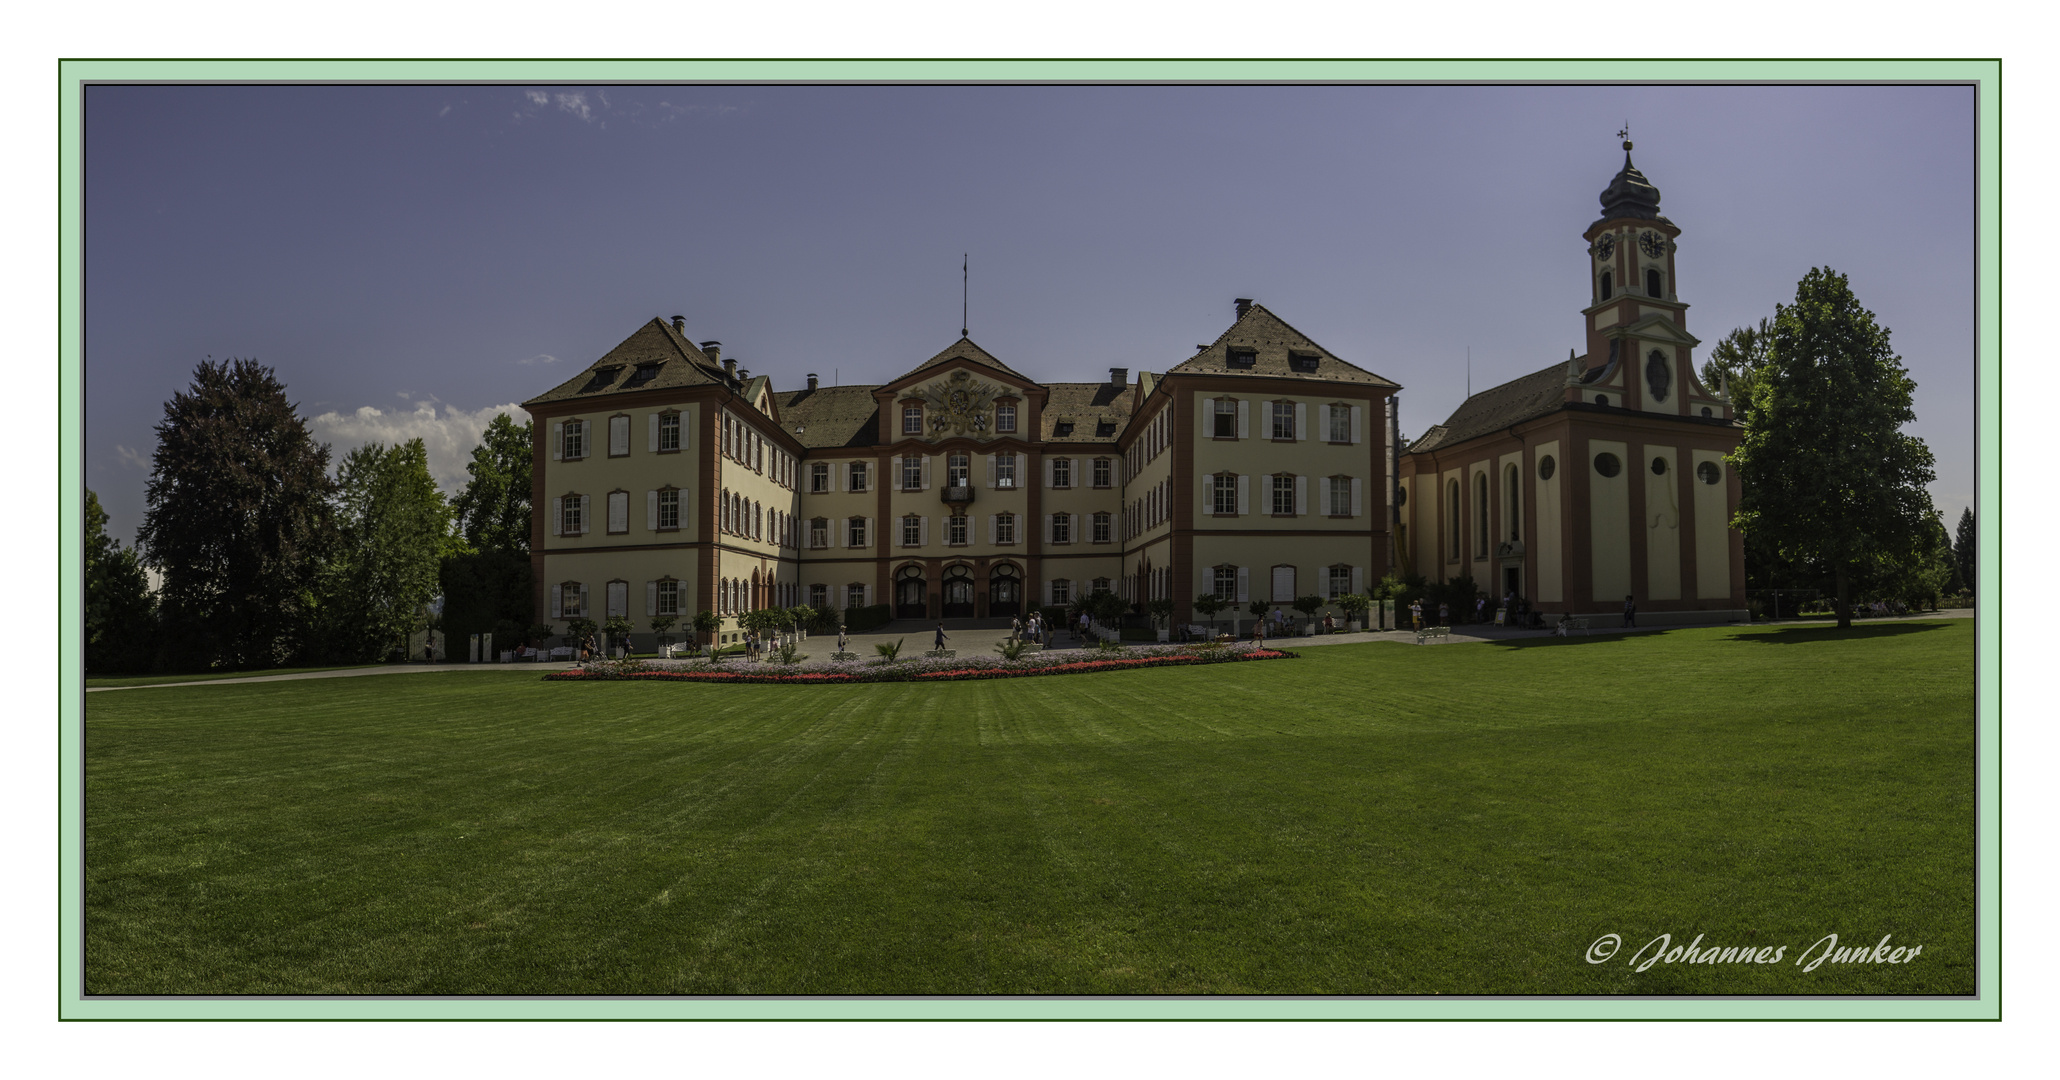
(1369,819)
(204,676)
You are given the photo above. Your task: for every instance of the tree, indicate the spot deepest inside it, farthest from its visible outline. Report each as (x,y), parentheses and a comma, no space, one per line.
(1208,604)
(1963,547)
(1737,360)
(237,519)
(493,510)
(392,531)
(1825,469)
(120,617)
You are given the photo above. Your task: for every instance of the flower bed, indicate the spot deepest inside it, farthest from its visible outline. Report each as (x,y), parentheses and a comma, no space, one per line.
(922,670)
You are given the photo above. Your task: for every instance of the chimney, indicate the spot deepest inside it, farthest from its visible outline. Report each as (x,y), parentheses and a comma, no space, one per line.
(811,380)
(729,369)
(1119,376)
(743,374)
(713,349)
(1243,305)
(679,323)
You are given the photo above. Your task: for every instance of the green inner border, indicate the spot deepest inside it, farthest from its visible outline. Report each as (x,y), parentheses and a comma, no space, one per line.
(1985,75)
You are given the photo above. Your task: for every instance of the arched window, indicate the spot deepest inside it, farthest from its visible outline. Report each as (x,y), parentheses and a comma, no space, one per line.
(1452,515)
(1480,523)
(1652,285)
(1515,509)
(1605,285)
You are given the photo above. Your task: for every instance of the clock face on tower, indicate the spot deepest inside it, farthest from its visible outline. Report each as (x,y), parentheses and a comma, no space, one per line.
(1652,245)
(1605,247)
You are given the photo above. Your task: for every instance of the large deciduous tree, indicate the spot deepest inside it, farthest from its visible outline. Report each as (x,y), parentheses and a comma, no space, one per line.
(1963,548)
(1825,469)
(120,617)
(1735,362)
(237,519)
(486,583)
(392,530)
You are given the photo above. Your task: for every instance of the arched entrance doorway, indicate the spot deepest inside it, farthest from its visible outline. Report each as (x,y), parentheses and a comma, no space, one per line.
(1005,592)
(958,592)
(910,600)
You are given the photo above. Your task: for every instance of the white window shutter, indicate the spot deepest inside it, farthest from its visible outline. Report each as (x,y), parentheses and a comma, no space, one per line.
(1205,579)
(925,470)
(557,516)
(972,529)
(585,609)
(557,602)
(618,435)
(1301,423)
(1047,472)
(1047,592)
(1205,411)
(1208,495)
(1355,502)
(1355,425)
(557,441)
(923,531)
(1301,489)
(840,476)
(1047,529)
(685,502)
(990,471)
(651,426)
(1073,527)
(1242,431)
(1244,487)
(1244,584)
(843,537)
(651,511)
(650,598)
(586,515)
(992,520)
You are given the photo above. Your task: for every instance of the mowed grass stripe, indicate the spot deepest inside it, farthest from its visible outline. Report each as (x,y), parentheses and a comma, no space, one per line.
(1367,819)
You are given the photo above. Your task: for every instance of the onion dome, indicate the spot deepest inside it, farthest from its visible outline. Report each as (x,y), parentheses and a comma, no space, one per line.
(1630,194)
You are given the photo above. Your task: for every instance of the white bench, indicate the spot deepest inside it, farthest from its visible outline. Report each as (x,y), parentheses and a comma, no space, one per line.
(1433,633)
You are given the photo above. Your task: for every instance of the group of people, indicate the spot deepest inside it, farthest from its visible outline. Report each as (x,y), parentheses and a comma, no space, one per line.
(1033,630)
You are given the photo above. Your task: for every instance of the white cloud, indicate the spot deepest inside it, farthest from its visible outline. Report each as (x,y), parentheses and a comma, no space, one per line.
(540,358)
(446,111)
(133,457)
(448,434)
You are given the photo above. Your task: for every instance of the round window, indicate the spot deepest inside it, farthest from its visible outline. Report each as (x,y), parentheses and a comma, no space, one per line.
(1708,472)
(1608,465)
(1401,496)
(1659,466)
(1602,399)
(1546,467)
(1706,413)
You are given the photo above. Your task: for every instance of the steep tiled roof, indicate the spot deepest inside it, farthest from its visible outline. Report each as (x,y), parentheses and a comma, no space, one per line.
(964,349)
(831,416)
(1497,407)
(1088,407)
(679,363)
(1272,341)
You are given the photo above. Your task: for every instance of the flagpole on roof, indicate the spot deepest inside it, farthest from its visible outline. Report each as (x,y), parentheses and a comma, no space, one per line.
(965,287)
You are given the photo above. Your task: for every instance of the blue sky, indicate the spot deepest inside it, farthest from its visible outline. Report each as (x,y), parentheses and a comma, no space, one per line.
(411,259)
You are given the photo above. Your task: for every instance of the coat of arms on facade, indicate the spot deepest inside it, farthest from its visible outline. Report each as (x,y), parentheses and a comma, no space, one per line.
(959,404)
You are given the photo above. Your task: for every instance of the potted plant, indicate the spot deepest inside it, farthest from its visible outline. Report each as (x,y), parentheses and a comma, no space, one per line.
(1207,605)
(1308,606)
(706,624)
(617,629)
(1257,608)
(661,626)
(1160,609)
(803,617)
(577,631)
(1354,606)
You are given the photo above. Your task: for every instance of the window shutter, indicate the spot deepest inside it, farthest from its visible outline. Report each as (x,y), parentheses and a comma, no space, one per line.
(1244,486)
(651,426)
(618,435)
(685,502)
(1208,495)
(1355,580)
(557,441)
(557,516)
(651,511)
(586,516)
(1073,528)
(683,445)
(585,609)
(557,602)
(990,471)
(1047,472)
(1355,502)
(923,531)
(1205,579)
(843,537)
(1355,425)
(924,468)
(1242,431)
(1205,412)
(1244,584)
(1301,425)
(972,529)
(1047,592)
(650,598)
(992,520)
(840,476)
(1301,489)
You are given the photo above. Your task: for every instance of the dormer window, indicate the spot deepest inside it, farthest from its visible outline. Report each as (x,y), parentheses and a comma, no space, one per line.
(1104,429)
(1301,362)
(1241,358)
(644,373)
(1062,429)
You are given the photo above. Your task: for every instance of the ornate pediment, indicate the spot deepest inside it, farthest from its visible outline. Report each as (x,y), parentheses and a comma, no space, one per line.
(960,405)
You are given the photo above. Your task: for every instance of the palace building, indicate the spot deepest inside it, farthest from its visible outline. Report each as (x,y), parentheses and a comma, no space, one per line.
(1262,467)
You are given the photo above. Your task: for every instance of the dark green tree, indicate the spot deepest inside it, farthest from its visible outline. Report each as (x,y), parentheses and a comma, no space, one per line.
(237,520)
(120,617)
(1963,548)
(1737,360)
(1825,469)
(493,510)
(392,529)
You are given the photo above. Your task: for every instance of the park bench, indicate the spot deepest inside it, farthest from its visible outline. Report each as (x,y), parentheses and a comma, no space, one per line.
(1573,625)
(942,654)
(1433,633)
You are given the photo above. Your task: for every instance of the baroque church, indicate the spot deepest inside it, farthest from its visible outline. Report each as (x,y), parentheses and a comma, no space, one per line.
(669,480)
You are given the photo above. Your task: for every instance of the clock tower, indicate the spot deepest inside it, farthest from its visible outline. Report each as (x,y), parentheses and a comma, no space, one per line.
(1637,327)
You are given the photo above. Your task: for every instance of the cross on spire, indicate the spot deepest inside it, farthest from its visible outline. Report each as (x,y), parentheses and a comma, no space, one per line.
(1624,133)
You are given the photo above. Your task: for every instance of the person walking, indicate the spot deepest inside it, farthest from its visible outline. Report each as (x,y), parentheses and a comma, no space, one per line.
(1444,613)
(1416,612)
(1480,608)
(1630,613)
(1015,628)
(843,639)
(940,637)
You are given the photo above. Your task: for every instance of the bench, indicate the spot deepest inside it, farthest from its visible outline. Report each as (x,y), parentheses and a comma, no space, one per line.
(942,654)
(1433,633)
(1572,625)
(844,656)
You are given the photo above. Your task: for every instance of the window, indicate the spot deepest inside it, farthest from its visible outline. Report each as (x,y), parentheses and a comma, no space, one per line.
(1608,464)
(855,533)
(912,473)
(958,468)
(1103,472)
(668,432)
(1062,429)
(1226,583)
(1341,496)
(618,511)
(1101,527)
(1546,467)
(1226,418)
(911,419)
(1224,496)
(1283,584)
(1104,429)
(1301,362)
(958,530)
(819,533)
(1284,495)
(1005,418)
(819,477)
(1659,466)
(1101,584)
(858,476)
(1061,591)
(819,597)
(855,595)
(668,597)
(570,597)
(1709,473)
(1283,419)
(1004,528)
(1480,516)
(575,439)
(911,531)
(618,599)
(1062,528)
(1340,581)
(1062,472)
(669,508)
(1240,358)
(1341,423)
(618,436)
(1005,470)
(1652,288)
(1606,290)
(1510,488)
(572,517)
(1452,520)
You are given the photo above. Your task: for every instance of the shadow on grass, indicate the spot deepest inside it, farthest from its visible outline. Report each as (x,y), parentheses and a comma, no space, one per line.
(1803,635)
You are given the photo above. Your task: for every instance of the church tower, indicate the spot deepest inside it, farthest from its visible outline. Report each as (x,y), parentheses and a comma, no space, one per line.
(1639,348)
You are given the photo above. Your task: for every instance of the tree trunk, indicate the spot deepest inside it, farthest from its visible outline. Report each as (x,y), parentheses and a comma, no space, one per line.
(1845,608)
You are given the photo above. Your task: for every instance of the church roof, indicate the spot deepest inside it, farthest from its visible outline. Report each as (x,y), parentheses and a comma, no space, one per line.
(831,417)
(655,345)
(1497,407)
(1630,195)
(1272,343)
